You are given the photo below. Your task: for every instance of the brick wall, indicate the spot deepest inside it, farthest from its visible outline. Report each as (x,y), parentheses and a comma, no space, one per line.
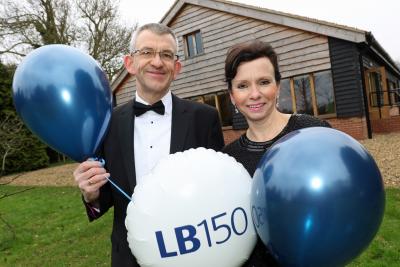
(386,125)
(355,127)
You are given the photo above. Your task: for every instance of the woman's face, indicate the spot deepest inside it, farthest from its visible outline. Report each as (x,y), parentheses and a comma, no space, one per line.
(254,89)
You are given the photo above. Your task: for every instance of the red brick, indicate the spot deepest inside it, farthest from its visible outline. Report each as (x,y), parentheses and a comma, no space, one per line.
(355,127)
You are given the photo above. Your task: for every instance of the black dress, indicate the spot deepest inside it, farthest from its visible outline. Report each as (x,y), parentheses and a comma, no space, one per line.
(249,154)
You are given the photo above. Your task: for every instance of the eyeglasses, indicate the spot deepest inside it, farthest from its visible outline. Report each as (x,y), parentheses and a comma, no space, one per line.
(147,53)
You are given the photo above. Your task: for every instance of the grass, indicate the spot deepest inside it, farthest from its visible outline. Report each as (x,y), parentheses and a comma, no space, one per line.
(49,228)
(385,248)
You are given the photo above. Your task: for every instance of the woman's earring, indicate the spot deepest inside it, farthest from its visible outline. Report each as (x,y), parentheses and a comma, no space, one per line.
(236,110)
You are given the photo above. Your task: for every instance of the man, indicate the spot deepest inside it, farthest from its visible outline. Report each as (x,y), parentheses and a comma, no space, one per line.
(136,139)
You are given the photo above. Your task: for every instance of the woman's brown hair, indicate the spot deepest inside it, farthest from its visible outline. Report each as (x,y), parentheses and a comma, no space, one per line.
(248,51)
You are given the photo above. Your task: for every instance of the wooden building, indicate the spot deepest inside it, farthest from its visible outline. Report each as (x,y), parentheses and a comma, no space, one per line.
(331,71)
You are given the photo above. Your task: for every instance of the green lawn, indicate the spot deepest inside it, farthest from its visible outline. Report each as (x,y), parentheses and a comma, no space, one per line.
(48,227)
(51,229)
(385,249)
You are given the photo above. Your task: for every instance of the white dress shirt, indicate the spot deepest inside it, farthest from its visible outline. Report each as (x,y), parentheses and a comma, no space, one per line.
(152,137)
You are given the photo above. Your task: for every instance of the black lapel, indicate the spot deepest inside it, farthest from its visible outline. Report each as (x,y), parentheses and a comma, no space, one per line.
(125,134)
(180,123)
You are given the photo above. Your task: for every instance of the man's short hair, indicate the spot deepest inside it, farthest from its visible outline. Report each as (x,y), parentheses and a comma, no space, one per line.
(157,28)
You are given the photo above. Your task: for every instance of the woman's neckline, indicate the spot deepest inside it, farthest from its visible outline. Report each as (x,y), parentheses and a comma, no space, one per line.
(263,145)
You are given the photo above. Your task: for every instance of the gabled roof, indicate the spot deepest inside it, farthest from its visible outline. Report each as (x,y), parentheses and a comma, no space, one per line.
(294,21)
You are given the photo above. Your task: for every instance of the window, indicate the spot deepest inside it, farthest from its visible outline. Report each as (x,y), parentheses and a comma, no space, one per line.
(210,100)
(302,91)
(310,94)
(225,108)
(324,93)
(194,44)
(376,89)
(285,97)
(221,102)
(397,93)
(394,93)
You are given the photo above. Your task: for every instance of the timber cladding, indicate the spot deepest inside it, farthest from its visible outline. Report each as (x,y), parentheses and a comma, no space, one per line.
(299,51)
(347,78)
(126,90)
(307,49)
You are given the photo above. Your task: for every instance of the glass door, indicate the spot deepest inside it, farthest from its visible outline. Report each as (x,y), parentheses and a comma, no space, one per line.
(377,94)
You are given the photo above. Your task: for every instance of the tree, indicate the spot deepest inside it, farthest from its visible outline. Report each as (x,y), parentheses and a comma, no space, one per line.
(10,130)
(20,150)
(91,25)
(29,24)
(106,38)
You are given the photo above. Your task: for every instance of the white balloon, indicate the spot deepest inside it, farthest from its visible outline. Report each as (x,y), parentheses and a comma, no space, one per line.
(193,209)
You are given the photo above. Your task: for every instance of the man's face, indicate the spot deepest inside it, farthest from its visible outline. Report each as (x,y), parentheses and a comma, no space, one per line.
(154,72)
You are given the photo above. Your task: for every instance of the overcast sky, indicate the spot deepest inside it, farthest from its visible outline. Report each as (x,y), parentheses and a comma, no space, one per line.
(382,18)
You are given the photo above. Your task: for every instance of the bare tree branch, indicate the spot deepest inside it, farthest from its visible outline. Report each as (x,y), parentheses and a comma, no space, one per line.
(108,40)
(10,127)
(15,193)
(91,24)
(9,180)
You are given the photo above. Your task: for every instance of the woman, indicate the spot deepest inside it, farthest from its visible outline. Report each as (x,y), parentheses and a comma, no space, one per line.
(253,78)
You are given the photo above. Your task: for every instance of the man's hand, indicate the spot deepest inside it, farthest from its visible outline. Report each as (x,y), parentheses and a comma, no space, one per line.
(90,176)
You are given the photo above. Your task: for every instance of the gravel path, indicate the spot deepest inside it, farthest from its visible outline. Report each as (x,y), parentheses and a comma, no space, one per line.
(385,148)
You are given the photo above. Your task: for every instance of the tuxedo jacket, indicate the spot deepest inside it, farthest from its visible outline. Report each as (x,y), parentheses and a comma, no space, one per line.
(193,125)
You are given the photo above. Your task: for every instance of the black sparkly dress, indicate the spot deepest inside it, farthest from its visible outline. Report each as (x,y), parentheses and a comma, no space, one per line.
(249,154)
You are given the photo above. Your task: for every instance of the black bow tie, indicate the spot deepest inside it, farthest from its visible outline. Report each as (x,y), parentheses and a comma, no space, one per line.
(140,108)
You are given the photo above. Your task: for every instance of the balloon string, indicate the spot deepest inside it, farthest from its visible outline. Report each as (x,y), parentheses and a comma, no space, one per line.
(102,161)
(119,189)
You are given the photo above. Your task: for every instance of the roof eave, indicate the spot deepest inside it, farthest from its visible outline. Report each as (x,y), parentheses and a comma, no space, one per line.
(272,16)
(381,52)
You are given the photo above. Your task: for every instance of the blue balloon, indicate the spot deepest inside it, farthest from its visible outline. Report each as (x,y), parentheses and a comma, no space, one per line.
(64,97)
(317,198)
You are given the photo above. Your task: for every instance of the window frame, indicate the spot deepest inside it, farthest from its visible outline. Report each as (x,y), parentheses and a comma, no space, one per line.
(193,44)
(218,105)
(314,102)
